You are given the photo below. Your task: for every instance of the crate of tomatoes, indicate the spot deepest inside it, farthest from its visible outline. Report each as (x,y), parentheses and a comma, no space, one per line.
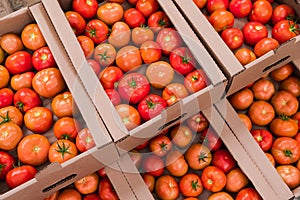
(148,71)
(264,116)
(246,37)
(47,136)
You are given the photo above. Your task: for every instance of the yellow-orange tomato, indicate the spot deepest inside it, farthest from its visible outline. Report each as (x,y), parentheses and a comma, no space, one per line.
(11,43)
(61,151)
(10,135)
(87,184)
(4,77)
(32,37)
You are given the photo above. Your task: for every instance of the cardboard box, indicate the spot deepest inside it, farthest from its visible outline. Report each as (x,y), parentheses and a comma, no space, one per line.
(18,4)
(127,140)
(54,176)
(5,8)
(239,76)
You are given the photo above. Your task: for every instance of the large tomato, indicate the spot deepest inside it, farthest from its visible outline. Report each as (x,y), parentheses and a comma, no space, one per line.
(4,77)
(97,30)
(141,34)
(11,43)
(86,8)
(281,12)
(176,164)
(6,97)
(290,175)
(242,99)
(285,103)
(26,98)
(261,113)
(150,52)
(110,77)
(198,156)
(110,12)
(134,18)
(291,84)
(197,122)
(223,159)
(160,74)
(7,162)
(20,175)
(240,8)
(129,115)
(153,165)
(87,45)
(62,150)
(42,58)
(66,128)
(38,119)
(76,21)
(181,135)
(151,106)
(18,62)
(245,55)
(32,37)
(284,127)
(88,184)
(263,89)
(233,37)
(129,58)
(166,187)
(213,179)
(168,39)
(282,72)
(248,194)
(253,32)
(182,60)
(120,34)
(264,46)
(212,5)
(63,105)
(285,30)
(160,145)
(221,19)
(261,12)
(158,20)
(236,180)
(84,140)
(147,7)
(23,80)
(106,190)
(11,114)
(10,136)
(263,137)
(174,92)
(190,185)
(286,150)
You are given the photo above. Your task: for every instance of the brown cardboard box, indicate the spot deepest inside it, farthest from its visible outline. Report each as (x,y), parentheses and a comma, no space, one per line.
(17,4)
(52,177)
(5,8)
(127,140)
(239,76)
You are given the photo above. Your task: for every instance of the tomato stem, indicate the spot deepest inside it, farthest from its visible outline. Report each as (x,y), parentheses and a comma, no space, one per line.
(195,185)
(5,119)
(63,149)
(202,157)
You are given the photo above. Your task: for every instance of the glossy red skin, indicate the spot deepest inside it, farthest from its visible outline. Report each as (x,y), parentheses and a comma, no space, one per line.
(195,81)
(20,175)
(221,19)
(105,190)
(197,122)
(110,77)
(153,165)
(18,62)
(97,30)
(133,87)
(134,18)
(76,21)
(7,162)
(263,137)
(113,96)
(92,196)
(285,30)
(151,106)
(212,5)
(26,98)
(101,172)
(233,37)
(211,139)
(147,7)
(254,32)
(6,97)
(223,159)
(296,117)
(168,39)
(261,11)
(42,58)
(248,194)
(86,8)
(281,12)
(182,60)
(240,8)
(158,20)
(94,65)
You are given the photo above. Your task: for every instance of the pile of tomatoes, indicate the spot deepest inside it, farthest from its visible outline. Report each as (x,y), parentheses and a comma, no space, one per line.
(269,108)
(189,161)
(262,25)
(39,120)
(141,61)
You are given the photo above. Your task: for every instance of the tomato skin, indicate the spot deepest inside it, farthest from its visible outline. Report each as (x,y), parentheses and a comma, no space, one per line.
(263,137)
(174,92)
(76,22)
(166,187)
(84,140)
(26,98)
(110,12)
(160,74)
(211,139)
(129,58)
(265,45)
(113,96)
(284,30)
(240,8)
(23,80)
(253,32)
(63,105)
(220,196)
(134,18)
(290,174)
(86,8)
(285,103)
(242,99)
(4,77)
(248,194)
(11,114)
(42,58)
(168,39)
(86,44)
(11,134)
(246,120)
(233,37)
(236,180)
(129,116)
(18,62)
(97,30)
(32,37)
(11,43)
(190,185)
(88,184)
(153,165)
(221,19)
(7,162)
(182,60)
(66,128)
(261,113)
(296,117)
(151,106)
(181,136)
(282,72)
(281,12)
(261,12)
(6,97)
(92,196)
(62,150)
(291,84)
(38,119)
(94,65)
(69,194)
(200,3)
(284,127)
(160,145)
(158,20)
(270,158)
(147,7)
(285,150)
(197,122)
(110,76)
(223,159)
(20,175)
(263,89)
(198,156)
(213,179)
(149,181)
(176,164)
(150,52)
(120,34)
(212,5)
(141,34)
(245,55)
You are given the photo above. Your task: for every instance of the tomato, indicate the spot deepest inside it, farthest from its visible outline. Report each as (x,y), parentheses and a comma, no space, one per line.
(4,77)
(97,30)
(160,74)
(133,87)
(182,60)
(282,72)
(263,137)
(196,81)
(284,30)
(106,191)
(147,7)
(174,92)
(151,106)
(181,136)
(141,34)
(265,45)
(2,55)
(86,8)
(42,58)
(153,165)
(150,52)
(110,12)
(87,45)
(285,103)
(248,194)
(119,35)
(113,96)
(7,162)
(94,65)
(136,157)
(246,120)
(221,19)
(20,175)
(92,196)
(88,184)
(168,39)
(242,99)
(285,150)
(23,80)
(134,18)
(245,55)
(200,3)
(66,128)
(291,84)
(48,82)
(197,122)
(220,196)
(253,32)
(6,97)
(38,119)
(63,105)
(166,187)
(290,175)
(143,145)
(240,8)
(129,116)
(10,135)
(213,179)
(212,5)
(263,89)
(160,145)
(158,20)
(261,12)
(32,37)
(11,43)
(261,113)
(149,181)
(102,173)
(69,194)
(211,139)
(62,150)
(223,159)
(132,2)
(198,156)
(11,114)
(128,58)
(105,54)
(270,158)
(84,140)
(296,117)
(33,149)
(18,62)
(284,126)
(233,37)
(176,164)
(76,22)
(110,76)
(236,180)
(190,185)
(281,12)
(26,98)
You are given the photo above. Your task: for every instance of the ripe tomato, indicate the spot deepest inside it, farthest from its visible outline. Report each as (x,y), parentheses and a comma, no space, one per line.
(87,45)
(212,5)
(4,77)
(105,54)
(150,52)
(166,187)
(129,116)
(94,65)
(181,136)
(213,179)
(134,18)
(23,80)
(174,92)
(160,145)
(223,159)
(160,74)
(248,194)
(110,12)
(281,12)
(42,58)
(147,7)
(106,191)
(282,72)
(253,32)
(7,162)
(197,122)
(291,84)
(261,113)
(119,35)
(11,43)
(141,34)
(296,117)
(149,181)
(285,103)
(246,120)
(236,180)
(245,55)
(86,8)
(48,82)
(190,185)
(113,96)
(176,164)
(62,150)
(284,30)
(38,119)
(200,3)
(129,58)
(63,105)
(92,196)
(284,126)
(270,158)
(220,196)
(88,184)
(261,12)
(151,106)
(158,20)
(285,150)
(32,37)
(290,175)
(240,8)
(182,60)
(76,22)
(84,140)
(263,137)
(221,19)
(2,55)
(195,81)
(18,62)
(33,149)
(69,194)
(10,136)
(11,114)
(242,99)
(25,99)
(198,156)
(6,97)
(97,30)
(233,37)
(263,89)
(66,128)
(264,46)
(110,77)
(20,175)
(136,157)
(153,165)
(210,139)
(168,39)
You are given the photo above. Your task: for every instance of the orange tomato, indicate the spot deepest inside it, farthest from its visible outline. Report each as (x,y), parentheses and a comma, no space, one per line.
(290,175)
(245,55)
(61,151)
(2,55)
(38,119)
(176,164)
(291,84)
(63,105)
(160,74)
(87,184)
(4,77)
(129,116)
(110,12)
(270,158)
(11,43)
(263,89)
(246,120)
(284,126)
(87,45)
(198,156)
(32,37)
(248,194)
(220,196)
(285,103)
(213,179)
(23,80)
(120,35)
(84,140)
(128,58)
(181,136)
(141,34)
(69,194)
(242,99)
(261,113)
(150,51)
(149,181)
(10,136)
(283,72)
(66,128)
(190,185)
(236,180)
(11,113)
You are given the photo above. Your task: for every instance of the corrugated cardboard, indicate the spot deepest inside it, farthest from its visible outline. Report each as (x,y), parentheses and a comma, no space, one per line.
(5,8)
(127,140)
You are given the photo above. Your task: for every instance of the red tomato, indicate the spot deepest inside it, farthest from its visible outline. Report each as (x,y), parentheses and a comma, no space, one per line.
(285,150)
(97,30)
(129,116)
(212,5)
(160,145)
(134,18)
(223,159)
(7,162)
(4,77)
(110,12)
(285,103)
(265,45)
(66,128)
(176,164)
(129,58)
(221,19)
(32,37)
(62,150)
(168,39)
(263,89)
(158,20)
(153,165)
(210,139)
(6,97)
(245,55)
(282,12)
(38,119)
(263,137)
(197,122)
(151,106)
(248,194)
(23,80)
(113,96)
(105,54)
(11,134)
(182,60)
(190,185)
(261,113)
(18,62)
(26,98)
(195,81)
(86,44)
(254,31)
(213,179)
(233,37)
(86,8)
(88,184)
(150,52)
(63,105)
(106,191)
(84,140)
(261,12)
(198,156)
(110,76)
(290,175)
(95,66)
(147,7)
(42,58)
(20,175)
(284,30)
(240,8)
(174,92)
(166,187)
(92,196)
(242,99)
(76,21)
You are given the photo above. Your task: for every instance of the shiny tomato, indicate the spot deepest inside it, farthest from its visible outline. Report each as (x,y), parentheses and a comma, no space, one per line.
(160,145)
(84,140)
(168,39)
(42,58)
(285,150)
(20,175)
(221,19)
(110,12)
(38,119)
(32,37)
(2,55)
(94,65)
(63,105)
(182,60)
(291,84)
(6,97)
(129,58)
(33,149)
(263,137)
(106,191)
(134,18)
(129,116)
(147,7)
(11,43)
(114,96)
(261,113)
(223,159)
(233,37)
(87,45)
(141,34)
(160,74)
(198,156)
(97,30)
(246,120)
(174,92)
(236,180)
(270,158)
(158,20)
(282,72)
(261,12)
(296,117)
(62,150)
(248,194)
(290,175)
(176,164)
(153,165)
(88,184)
(76,22)
(86,8)
(213,179)
(120,34)
(105,54)
(212,5)
(110,77)
(196,81)
(166,187)
(10,136)
(190,185)
(281,12)
(200,3)
(136,157)
(242,99)
(245,55)
(253,32)
(11,114)
(92,196)
(149,181)
(23,80)
(265,45)
(69,194)
(284,127)
(26,98)
(18,62)
(4,77)
(211,139)
(151,106)
(181,136)
(263,89)
(197,122)
(220,196)
(240,8)
(66,128)
(7,163)
(150,52)
(285,103)
(284,30)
